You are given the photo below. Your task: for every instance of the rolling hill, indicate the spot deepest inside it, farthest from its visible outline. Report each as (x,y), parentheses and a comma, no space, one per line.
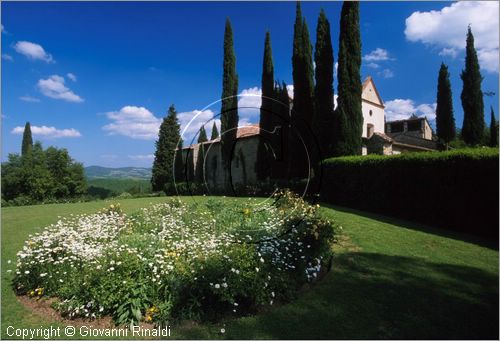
(98,172)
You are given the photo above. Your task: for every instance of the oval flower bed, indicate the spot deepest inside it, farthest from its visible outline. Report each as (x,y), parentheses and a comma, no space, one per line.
(197,260)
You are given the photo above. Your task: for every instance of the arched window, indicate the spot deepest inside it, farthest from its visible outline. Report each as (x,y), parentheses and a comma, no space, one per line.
(371,112)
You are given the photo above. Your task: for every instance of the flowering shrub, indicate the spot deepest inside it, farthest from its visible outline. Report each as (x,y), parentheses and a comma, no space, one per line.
(176,260)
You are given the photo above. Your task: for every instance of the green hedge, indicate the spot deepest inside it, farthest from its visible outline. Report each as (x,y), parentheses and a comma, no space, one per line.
(456,190)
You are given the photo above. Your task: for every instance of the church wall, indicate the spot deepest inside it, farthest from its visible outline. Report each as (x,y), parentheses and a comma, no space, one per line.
(377,118)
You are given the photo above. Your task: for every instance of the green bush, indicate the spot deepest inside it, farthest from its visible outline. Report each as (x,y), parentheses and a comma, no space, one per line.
(456,190)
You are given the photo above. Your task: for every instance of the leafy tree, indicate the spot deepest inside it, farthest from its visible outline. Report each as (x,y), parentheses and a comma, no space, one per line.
(36,179)
(445,122)
(215,132)
(323,91)
(493,130)
(229,108)
(266,108)
(472,96)
(42,174)
(168,138)
(12,180)
(202,137)
(27,144)
(348,115)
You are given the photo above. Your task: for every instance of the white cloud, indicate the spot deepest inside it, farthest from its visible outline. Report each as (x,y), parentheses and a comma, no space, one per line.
(386,73)
(373,65)
(71,76)
(449,52)
(447,29)
(33,51)
(141,157)
(54,87)
(6,56)
(335,69)
(29,99)
(134,122)
(377,55)
(400,109)
(48,132)
(191,122)
(249,102)
(4,30)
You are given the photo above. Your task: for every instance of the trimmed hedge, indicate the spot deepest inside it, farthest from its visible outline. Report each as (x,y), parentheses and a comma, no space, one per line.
(456,190)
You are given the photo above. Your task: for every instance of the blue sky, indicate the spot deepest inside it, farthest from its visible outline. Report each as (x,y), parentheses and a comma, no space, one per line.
(97,78)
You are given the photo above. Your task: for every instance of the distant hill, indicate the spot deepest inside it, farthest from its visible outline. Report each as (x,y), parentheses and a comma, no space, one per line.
(98,172)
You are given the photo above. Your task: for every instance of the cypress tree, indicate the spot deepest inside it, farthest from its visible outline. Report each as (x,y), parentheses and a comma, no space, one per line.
(229,108)
(493,130)
(266,108)
(323,91)
(472,96)
(215,132)
(348,115)
(198,171)
(168,138)
(27,144)
(445,122)
(303,96)
(202,137)
(179,164)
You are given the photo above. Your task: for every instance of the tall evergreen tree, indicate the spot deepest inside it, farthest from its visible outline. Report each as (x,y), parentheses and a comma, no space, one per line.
(303,95)
(215,132)
(27,144)
(266,109)
(168,138)
(202,137)
(348,115)
(493,130)
(445,122)
(200,157)
(323,91)
(472,95)
(180,174)
(229,108)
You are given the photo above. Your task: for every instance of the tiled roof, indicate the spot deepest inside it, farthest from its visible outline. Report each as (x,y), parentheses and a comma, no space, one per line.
(242,132)
(411,140)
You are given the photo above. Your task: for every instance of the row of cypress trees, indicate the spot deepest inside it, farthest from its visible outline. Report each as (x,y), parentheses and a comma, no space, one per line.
(473,127)
(313,131)
(312,125)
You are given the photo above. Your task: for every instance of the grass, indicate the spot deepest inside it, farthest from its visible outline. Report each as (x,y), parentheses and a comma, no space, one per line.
(390,279)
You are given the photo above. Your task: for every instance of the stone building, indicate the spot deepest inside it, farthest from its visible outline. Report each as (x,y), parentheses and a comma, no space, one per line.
(379,137)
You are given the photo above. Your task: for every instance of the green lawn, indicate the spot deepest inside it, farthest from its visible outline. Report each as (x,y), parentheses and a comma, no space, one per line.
(390,279)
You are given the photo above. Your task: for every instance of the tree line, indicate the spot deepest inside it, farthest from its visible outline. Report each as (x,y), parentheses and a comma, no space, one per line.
(474,131)
(40,175)
(308,128)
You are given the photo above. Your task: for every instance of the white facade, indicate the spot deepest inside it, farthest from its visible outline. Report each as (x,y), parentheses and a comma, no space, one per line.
(373,109)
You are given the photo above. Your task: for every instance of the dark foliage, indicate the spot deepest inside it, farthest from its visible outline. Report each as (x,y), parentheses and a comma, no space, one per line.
(348,116)
(323,91)
(229,108)
(27,144)
(445,122)
(168,138)
(456,190)
(472,96)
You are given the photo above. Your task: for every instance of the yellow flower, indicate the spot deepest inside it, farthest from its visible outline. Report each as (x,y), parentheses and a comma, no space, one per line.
(246,211)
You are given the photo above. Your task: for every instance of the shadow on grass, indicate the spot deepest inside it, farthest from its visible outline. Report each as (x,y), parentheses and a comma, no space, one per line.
(469,238)
(376,296)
